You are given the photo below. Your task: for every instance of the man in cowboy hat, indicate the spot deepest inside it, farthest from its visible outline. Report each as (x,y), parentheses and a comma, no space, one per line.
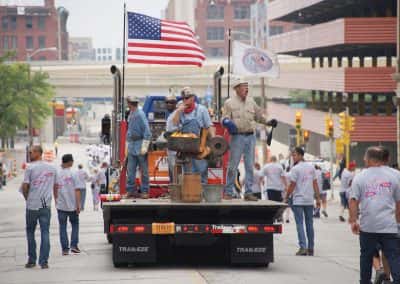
(240,115)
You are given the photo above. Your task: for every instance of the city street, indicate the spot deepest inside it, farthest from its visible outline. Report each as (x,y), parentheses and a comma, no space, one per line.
(336,259)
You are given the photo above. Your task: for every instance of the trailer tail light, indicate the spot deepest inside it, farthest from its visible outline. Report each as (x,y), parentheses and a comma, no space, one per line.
(110,197)
(112,229)
(269,229)
(122,229)
(139,229)
(252,229)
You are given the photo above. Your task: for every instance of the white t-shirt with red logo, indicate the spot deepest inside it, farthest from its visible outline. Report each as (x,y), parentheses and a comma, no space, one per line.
(67,183)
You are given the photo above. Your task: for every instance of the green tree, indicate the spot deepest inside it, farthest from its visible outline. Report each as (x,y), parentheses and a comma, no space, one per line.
(21,89)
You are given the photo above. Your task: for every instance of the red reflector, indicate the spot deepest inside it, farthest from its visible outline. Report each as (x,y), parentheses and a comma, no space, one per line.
(185,228)
(252,229)
(112,229)
(122,229)
(207,228)
(269,229)
(139,229)
(196,228)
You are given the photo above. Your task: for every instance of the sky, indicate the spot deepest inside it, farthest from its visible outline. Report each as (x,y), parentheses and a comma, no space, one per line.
(102,20)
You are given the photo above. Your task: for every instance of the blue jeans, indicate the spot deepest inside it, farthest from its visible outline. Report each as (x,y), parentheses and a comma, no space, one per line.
(74,220)
(199,167)
(83,197)
(391,250)
(304,213)
(240,145)
(32,218)
(133,162)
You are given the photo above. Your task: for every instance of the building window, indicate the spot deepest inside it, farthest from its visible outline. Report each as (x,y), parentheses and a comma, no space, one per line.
(42,23)
(42,42)
(241,33)
(215,52)
(275,30)
(5,42)
(13,23)
(14,42)
(99,58)
(215,12)
(215,33)
(241,12)
(28,22)
(109,58)
(29,42)
(42,58)
(4,23)
(104,50)
(99,50)
(109,50)
(104,58)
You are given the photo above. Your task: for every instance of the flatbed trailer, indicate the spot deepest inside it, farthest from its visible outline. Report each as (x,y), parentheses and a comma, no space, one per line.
(159,231)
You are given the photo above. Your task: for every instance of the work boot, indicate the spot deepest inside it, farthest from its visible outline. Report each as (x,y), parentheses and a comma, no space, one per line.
(144,195)
(310,252)
(250,197)
(204,154)
(302,252)
(30,265)
(44,266)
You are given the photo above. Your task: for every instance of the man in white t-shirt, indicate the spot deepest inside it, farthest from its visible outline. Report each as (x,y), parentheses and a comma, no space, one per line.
(375,194)
(258,181)
(303,186)
(276,181)
(68,204)
(37,188)
(345,186)
(83,177)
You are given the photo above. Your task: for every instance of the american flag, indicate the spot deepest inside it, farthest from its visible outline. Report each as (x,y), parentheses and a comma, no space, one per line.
(155,41)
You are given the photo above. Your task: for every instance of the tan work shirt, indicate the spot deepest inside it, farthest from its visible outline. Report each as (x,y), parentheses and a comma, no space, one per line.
(245,114)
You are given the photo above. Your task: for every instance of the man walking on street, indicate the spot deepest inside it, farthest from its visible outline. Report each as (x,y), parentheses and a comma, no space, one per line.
(138,138)
(68,204)
(377,192)
(240,115)
(345,186)
(303,186)
(276,181)
(83,177)
(37,188)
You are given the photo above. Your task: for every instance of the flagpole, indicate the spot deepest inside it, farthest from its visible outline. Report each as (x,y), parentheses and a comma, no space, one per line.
(229,59)
(123,62)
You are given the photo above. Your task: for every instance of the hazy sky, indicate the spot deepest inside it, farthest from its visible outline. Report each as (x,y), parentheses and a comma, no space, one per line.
(102,20)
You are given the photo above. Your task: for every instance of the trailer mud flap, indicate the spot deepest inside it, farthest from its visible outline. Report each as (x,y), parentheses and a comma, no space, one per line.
(131,249)
(252,249)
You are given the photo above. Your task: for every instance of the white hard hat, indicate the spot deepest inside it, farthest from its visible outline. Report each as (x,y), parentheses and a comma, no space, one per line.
(132,99)
(239,81)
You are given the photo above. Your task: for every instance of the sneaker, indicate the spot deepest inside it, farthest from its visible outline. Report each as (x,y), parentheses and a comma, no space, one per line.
(44,266)
(342,219)
(65,252)
(324,213)
(250,197)
(310,252)
(75,250)
(302,251)
(30,265)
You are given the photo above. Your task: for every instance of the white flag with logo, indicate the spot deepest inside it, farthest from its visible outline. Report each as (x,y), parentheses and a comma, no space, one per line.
(252,61)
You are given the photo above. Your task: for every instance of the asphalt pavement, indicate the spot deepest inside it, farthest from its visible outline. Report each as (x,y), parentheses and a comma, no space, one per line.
(336,257)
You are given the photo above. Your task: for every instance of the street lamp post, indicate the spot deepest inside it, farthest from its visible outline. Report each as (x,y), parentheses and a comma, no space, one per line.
(28,59)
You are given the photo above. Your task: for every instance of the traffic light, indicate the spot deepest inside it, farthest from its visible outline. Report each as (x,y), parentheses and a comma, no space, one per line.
(306,136)
(106,129)
(343,121)
(329,127)
(351,123)
(298,120)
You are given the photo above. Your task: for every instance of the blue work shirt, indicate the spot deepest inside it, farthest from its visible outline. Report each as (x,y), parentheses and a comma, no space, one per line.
(200,114)
(138,130)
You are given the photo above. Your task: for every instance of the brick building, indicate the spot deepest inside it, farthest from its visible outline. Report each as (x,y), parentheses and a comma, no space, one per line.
(26,29)
(350,46)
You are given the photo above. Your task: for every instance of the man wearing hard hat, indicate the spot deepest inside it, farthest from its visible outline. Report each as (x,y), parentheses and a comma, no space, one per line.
(138,138)
(240,115)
